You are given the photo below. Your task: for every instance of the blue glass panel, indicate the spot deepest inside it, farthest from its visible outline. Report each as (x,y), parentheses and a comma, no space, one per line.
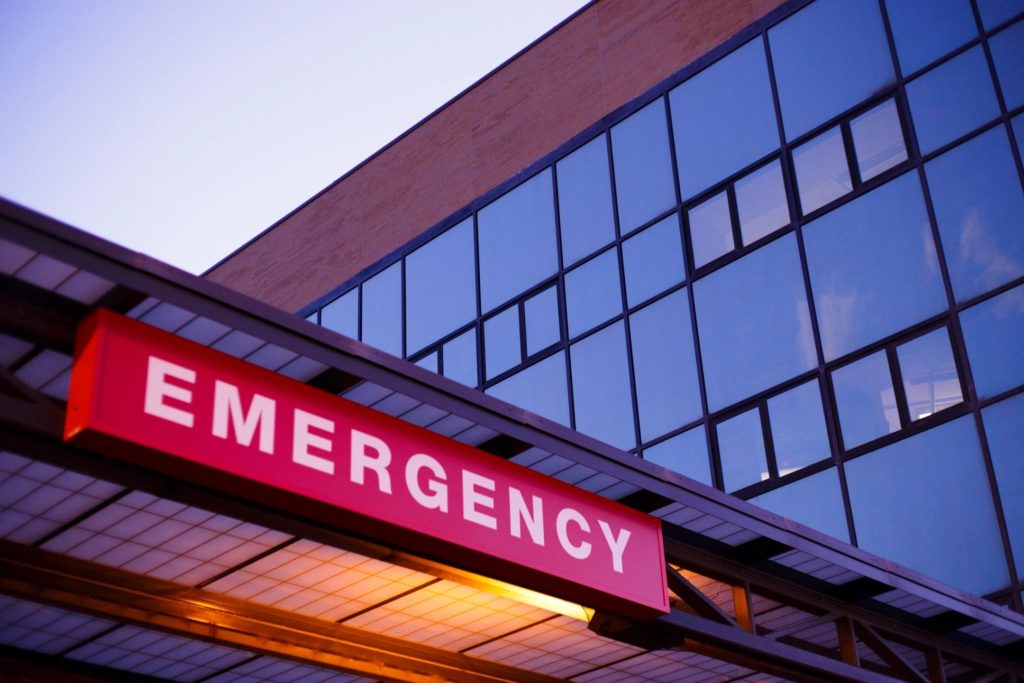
(685,453)
(600,387)
(925,30)
(741,449)
(313,317)
(382,310)
(723,118)
(766,338)
(878,140)
(761,202)
(653,260)
(460,358)
(930,380)
(873,266)
(585,200)
(1008,53)
(828,57)
(342,314)
(815,501)
(711,229)
(822,174)
(1004,427)
(925,502)
(994,334)
(1018,132)
(440,286)
(951,100)
(643,166)
(542,329)
(995,12)
(501,342)
(865,400)
(798,427)
(664,366)
(428,362)
(517,241)
(540,388)
(593,293)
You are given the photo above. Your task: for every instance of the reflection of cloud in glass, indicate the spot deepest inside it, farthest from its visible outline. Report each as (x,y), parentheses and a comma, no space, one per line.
(837,316)
(805,335)
(979,247)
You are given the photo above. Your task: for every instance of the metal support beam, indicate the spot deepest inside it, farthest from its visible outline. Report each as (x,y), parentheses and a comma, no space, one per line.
(743,605)
(847,641)
(900,666)
(936,669)
(694,598)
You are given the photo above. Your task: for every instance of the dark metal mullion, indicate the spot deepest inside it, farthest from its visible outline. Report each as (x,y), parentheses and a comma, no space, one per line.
(734,217)
(852,164)
(769,442)
(896,375)
(521,311)
(478,323)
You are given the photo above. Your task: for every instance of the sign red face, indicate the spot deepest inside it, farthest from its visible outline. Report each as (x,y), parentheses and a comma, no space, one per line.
(169,404)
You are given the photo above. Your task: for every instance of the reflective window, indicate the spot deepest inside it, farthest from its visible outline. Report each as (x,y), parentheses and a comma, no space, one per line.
(440,286)
(741,450)
(501,342)
(593,293)
(643,166)
(930,380)
(517,241)
(935,484)
(1004,427)
(925,30)
(600,387)
(664,366)
(382,310)
(979,208)
(873,267)
(585,200)
(428,362)
(822,173)
(994,335)
(723,118)
(1008,53)
(952,99)
(460,358)
(653,260)
(815,501)
(542,328)
(798,427)
(995,12)
(761,202)
(540,388)
(865,400)
(1018,132)
(828,57)
(342,314)
(711,229)
(878,140)
(685,453)
(766,338)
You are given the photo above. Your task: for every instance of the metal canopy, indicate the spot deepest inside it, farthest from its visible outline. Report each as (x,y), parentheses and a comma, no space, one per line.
(110,571)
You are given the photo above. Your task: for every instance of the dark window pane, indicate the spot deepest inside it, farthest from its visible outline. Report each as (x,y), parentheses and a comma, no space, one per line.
(540,388)
(593,293)
(653,260)
(952,100)
(878,140)
(1004,427)
(766,337)
(741,449)
(664,366)
(460,358)
(342,314)
(1008,53)
(517,241)
(873,267)
(925,502)
(798,427)
(585,200)
(382,310)
(440,286)
(600,387)
(711,230)
(994,334)
(1018,132)
(822,174)
(828,57)
(542,321)
(643,166)
(723,118)
(501,342)
(761,202)
(685,453)
(428,362)
(925,30)
(929,374)
(815,501)
(865,400)
(995,12)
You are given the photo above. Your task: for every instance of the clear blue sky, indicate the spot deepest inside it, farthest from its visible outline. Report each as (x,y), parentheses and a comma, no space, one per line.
(181,128)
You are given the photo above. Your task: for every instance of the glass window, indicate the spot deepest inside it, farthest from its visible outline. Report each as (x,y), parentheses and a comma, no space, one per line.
(517,241)
(643,166)
(1004,427)
(428,362)
(600,387)
(828,57)
(723,118)
(979,208)
(313,317)
(382,310)
(542,329)
(1018,132)
(440,286)
(1008,53)
(994,335)
(766,338)
(865,400)
(822,174)
(741,450)
(995,12)
(930,380)
(952,100)
(664,366)
(925,502)
(925,30)
(501,342)
(540,388)
(585,200)
(798,427)
(711,229)
(815,501)
(878,140)
(653,260)
(761,202)
(593,293)
(873,267)
(685,453)
(460,358)
(342,314)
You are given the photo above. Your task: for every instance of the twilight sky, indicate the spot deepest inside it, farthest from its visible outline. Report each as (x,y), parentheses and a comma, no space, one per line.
(181,128)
